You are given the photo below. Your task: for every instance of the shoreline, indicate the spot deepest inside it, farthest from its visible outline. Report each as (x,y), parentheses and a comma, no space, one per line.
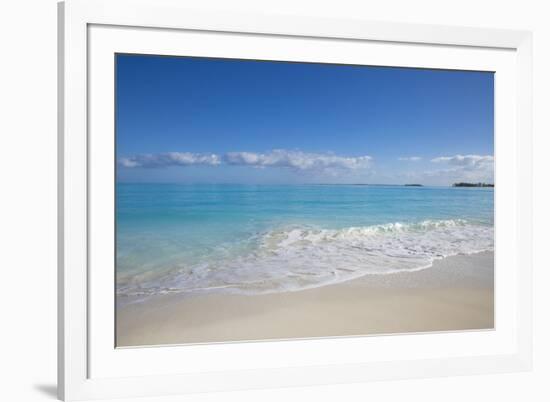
(456,293)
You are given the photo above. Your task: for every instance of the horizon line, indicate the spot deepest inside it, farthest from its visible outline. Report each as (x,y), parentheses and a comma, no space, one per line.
(294,184)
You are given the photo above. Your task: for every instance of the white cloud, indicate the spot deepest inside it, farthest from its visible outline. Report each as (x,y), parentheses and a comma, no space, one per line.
(297,160)
(469,168)
(410,158)
(169,159)
(470,161)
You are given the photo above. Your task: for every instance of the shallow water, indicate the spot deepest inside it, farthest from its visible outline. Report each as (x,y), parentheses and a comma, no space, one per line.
(261,239)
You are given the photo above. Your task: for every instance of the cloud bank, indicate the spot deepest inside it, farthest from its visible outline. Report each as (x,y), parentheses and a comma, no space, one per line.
(467,161)
(169,159)
(330,167)
(472,168)
(296,160)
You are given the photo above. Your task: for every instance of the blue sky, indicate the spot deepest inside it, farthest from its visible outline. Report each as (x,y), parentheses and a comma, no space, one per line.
(181,119)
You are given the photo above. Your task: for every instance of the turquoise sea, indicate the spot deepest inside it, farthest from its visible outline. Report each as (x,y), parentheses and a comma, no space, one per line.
(180,238)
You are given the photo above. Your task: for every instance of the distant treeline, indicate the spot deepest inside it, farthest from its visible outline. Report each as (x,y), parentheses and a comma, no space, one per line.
(473,185)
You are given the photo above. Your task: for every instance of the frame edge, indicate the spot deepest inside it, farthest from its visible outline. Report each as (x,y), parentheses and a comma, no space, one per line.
(525,204)
(60,201)
(71,370)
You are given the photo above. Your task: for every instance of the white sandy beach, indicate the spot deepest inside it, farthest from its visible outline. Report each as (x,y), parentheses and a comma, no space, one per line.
(455,294)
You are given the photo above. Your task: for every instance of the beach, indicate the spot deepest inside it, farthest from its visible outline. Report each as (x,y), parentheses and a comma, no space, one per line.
(253,203)
(455,293)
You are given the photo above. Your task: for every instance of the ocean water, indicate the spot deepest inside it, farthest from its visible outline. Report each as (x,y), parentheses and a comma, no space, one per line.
(177,238)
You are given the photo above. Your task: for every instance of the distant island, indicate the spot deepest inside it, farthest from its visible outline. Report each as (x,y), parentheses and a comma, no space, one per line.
(413,185)
(473,185)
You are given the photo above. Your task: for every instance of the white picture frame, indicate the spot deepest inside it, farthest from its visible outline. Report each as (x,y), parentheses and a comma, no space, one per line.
(90,367)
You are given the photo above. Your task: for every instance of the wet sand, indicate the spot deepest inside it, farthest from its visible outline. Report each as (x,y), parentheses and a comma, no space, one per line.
(456,293)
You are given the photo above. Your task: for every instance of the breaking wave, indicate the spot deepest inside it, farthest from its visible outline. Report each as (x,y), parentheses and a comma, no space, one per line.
(296,258)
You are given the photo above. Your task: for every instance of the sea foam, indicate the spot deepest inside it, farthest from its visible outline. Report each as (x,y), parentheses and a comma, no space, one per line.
(296,258)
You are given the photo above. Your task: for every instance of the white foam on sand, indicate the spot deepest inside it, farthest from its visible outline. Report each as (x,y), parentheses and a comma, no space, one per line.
(297,258)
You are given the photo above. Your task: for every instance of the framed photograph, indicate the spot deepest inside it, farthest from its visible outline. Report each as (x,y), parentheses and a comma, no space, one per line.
(252,201)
